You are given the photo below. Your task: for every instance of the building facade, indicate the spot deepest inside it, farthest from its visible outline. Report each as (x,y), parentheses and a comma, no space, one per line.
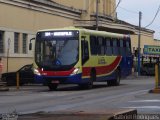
(20,19)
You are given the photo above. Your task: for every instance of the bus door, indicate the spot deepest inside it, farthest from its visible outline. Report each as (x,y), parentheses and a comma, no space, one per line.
(84,49)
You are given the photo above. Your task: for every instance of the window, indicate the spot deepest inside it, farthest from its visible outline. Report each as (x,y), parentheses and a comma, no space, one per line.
(100,48)
(24,43)
(122,48)
(16,42)
(1,41)
(128,47)
(115,47)
(108,48)
(93,45)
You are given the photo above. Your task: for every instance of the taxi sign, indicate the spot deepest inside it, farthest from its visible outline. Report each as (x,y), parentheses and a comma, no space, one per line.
(151,50)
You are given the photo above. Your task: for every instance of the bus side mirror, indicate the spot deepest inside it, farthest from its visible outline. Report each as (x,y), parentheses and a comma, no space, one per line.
(30,44)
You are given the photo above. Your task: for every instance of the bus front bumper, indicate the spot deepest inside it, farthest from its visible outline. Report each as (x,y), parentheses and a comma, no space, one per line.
(72,79)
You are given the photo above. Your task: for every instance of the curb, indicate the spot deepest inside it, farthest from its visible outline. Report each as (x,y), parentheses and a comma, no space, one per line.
(81,115)
(156,90)
(4,88)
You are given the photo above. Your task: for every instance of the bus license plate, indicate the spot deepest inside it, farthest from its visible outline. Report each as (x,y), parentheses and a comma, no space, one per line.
(55,81)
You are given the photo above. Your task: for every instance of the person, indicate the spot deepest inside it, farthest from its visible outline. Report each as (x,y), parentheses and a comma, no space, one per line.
(1,66)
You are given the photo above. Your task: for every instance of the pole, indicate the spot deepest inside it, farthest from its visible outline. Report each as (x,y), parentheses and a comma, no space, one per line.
(156,75)
(8,52)
(17,80)
(97,1)
(139,39)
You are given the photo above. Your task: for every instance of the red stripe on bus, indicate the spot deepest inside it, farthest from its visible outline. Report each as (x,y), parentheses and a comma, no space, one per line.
(56,73)
(102,69)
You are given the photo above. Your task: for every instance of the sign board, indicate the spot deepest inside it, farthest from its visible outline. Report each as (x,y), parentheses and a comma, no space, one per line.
(151,50)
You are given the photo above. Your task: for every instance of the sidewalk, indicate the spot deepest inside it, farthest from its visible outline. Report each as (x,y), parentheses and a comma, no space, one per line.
(134,75)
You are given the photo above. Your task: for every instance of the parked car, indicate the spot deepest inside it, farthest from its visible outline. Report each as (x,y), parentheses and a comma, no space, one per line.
(148,69)
(25,76)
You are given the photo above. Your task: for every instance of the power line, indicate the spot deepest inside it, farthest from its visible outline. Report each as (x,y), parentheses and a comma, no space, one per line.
(127,10)
(154,17)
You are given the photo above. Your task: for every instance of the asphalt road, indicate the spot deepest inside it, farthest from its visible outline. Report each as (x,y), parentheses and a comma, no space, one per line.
(132,93)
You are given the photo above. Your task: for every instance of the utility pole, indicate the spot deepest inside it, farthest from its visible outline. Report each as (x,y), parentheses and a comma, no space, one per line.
(139,42)
(97,2)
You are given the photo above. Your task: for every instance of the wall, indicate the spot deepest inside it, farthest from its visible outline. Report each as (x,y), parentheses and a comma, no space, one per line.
(106,7)
(78,4)
(22,20)
(146,39)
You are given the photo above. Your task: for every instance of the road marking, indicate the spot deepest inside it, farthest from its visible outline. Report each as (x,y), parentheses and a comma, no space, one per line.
(146,101)
(145,107)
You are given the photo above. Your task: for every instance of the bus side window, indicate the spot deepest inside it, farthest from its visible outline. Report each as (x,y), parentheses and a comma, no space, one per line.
(118,46)
(115,47)
(85,52)
(104,46)
(128,47)
(122,50)
(108,48)
(100,46)
(124,47)
(93,45)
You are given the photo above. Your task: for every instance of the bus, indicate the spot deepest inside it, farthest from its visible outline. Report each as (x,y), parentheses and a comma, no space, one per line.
(80,56)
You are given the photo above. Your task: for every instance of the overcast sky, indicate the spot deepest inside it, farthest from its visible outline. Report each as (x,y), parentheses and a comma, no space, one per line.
(128,10)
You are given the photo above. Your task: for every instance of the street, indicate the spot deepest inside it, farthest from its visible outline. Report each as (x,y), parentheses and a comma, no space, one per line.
(132,93)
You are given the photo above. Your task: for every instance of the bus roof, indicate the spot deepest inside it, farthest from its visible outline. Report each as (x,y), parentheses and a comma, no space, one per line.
(88,31)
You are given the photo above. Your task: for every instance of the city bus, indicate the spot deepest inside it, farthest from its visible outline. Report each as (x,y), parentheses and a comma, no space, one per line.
(81,56)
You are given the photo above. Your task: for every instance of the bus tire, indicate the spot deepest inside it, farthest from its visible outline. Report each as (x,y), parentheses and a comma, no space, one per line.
(52,86)
(116,81)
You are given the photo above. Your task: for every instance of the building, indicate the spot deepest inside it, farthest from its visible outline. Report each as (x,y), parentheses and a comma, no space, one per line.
(20,19)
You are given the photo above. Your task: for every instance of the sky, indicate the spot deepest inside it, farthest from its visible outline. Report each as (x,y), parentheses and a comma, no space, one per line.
(128,10)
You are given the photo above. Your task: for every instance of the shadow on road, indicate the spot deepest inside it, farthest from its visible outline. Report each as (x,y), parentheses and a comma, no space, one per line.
(77,88)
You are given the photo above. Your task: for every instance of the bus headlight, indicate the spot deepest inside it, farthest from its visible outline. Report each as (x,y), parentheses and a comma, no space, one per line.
(36,72)
(75,71)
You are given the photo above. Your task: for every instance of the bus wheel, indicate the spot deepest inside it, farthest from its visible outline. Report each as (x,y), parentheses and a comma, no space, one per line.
(116,81)
(52,86)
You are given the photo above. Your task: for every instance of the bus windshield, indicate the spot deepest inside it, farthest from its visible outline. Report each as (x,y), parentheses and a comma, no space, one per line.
(56,53)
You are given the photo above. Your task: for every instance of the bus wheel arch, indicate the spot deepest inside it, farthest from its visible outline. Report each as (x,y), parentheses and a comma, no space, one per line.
(116,81)
(118,77)
(92,78)
(93,74)
(89,84)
